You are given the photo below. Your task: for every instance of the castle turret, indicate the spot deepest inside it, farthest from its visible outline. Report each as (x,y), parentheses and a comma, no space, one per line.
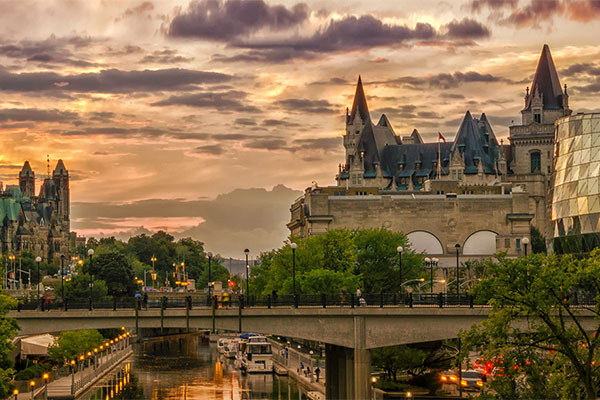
(546,101)
(27,180)
(60,176)
(356,118)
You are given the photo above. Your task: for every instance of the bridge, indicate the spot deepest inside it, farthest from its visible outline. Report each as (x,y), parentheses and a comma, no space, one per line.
(348,332)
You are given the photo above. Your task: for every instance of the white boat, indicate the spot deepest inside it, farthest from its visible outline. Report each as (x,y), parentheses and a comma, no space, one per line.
(222,344)
(256,355)
(232,348)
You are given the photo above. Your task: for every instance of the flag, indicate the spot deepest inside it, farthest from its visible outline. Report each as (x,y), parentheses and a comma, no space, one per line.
(440,137)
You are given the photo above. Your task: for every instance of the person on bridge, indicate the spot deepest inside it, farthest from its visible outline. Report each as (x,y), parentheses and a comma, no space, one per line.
(317,373)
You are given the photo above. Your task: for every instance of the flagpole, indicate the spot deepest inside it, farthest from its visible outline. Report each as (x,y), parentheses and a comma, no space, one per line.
(439,158)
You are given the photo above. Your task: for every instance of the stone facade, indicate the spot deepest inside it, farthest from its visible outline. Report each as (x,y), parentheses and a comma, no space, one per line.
(474,191)
(40,224)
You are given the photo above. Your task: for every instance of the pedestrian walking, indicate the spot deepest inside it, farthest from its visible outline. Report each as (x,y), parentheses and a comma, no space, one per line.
(317,373)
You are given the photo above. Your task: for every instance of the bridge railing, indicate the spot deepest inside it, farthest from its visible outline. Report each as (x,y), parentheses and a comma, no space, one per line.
(380,300)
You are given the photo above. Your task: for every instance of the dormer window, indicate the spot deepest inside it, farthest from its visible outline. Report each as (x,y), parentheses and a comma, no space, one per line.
(537,116)
(418,165)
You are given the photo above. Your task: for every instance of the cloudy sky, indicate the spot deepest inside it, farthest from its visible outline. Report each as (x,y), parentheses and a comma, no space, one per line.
(208,118)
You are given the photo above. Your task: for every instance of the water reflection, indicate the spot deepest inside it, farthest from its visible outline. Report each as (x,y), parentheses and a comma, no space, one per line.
(187,369)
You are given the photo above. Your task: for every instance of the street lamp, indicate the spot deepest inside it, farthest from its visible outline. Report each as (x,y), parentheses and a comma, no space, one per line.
(209,254)
(153,274)
(38,259)
(525,243)
(429,264)
(32,385)
(293,246)
(91,254)
(62,277)
(400,249)
(457,246)
(45,377)
(246,252)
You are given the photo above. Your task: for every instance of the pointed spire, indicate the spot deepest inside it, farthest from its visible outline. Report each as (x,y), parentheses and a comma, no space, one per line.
(417,139)
(359,105)
(26,170)
(546,82)
(60,169)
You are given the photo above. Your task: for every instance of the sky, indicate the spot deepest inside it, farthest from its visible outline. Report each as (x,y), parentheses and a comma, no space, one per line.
(208,118)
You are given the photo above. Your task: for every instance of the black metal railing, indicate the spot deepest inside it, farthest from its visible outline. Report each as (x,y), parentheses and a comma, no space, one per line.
(202,301)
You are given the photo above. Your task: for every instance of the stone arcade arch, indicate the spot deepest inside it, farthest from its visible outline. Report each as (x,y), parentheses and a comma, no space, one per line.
(480,243)
(423,241)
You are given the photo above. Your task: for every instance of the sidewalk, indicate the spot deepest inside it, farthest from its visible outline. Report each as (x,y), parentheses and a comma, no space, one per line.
(84,379)
(292,364)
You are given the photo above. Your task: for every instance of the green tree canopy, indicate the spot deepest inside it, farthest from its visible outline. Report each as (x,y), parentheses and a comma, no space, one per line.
(342,259)
(71,344)
(8,330)
(115,270)
(535,329)
(78,289)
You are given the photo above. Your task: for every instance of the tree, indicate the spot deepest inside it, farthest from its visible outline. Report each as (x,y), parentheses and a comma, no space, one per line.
(114,268)
(534,329)
(71,344)
(538,241)
(8,330)
(78,288)
(370,255)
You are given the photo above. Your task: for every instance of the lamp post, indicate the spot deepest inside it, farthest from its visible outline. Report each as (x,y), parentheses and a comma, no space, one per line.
(62,278)
(38,259)
(429,264)
(91,254)
(32,385)
(434,263)
(246,252)
(400,249)
(525,243)
(45,377)
(293,246)
(153,274)
(457,246)
(209,255)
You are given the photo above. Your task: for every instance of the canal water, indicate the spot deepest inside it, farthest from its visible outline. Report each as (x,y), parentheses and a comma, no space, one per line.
(187,369)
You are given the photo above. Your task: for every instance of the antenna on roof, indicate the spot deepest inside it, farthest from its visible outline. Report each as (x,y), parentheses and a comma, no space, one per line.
(48,166)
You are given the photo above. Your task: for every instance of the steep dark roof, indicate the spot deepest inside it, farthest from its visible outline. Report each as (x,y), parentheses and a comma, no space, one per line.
(385,122)
(26,170)
(417,139)
(474,141)
(60,169)
(368,145)
(546,82)
(360,103)
(48,191)
(408,155)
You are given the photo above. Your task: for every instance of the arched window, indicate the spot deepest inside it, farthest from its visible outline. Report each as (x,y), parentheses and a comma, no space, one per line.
(422,241)
(480,243)
(535,158)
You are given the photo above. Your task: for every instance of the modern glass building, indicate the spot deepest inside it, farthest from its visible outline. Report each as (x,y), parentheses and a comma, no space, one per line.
(576,197)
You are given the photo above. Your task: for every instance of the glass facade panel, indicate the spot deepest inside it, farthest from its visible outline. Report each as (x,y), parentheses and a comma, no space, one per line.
(576,186)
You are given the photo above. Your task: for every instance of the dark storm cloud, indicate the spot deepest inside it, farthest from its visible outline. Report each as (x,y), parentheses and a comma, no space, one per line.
(232,100)
(277,55)
(324,144)
(581,69)
(245,121)
(477,5)
(36,115)
(535,13)
(332,81)
(351,34)
(451,96)
(214,149)
(141,10)
(101,116)
(592,88)
(224,20)
(441,81)
(279,122)
(308,106)
(110,81)
(115,131)
(58,51)
(166,56)
(466,29)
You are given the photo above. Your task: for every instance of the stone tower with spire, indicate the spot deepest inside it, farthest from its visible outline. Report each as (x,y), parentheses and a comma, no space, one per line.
(60,176)
(27,180)
(532,143)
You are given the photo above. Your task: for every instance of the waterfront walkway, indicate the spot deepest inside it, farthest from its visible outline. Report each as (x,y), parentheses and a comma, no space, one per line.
(293,362)
(72,385)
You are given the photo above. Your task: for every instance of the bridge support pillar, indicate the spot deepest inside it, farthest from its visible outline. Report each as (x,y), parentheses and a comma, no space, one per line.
(348,373)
